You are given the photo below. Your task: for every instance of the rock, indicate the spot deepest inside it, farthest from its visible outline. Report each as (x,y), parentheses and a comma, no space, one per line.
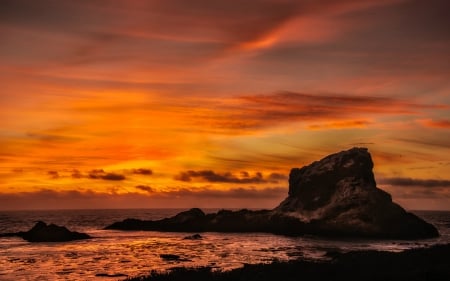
(193,237)
(312,186)
(169,257)
(188,216)
(193,220)
(41,232)
(336,196)
(111,275)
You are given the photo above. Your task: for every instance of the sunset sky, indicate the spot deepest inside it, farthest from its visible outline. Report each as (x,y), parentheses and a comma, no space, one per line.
(208,103)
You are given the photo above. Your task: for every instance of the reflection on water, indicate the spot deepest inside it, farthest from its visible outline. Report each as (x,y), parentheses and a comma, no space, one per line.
(137,252)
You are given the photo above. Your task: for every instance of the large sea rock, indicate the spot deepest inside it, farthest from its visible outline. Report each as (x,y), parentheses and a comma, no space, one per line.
(336,196)
(340,196)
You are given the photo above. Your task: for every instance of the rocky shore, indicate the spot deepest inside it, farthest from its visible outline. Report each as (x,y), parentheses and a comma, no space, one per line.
(336,196)
(412,265)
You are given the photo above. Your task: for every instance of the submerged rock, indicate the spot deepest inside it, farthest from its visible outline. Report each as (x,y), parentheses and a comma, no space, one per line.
(42,232)
(111,275)
(336,196)
(170,257)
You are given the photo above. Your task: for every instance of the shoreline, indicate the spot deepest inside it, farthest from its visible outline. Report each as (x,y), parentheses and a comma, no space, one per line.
(431,263)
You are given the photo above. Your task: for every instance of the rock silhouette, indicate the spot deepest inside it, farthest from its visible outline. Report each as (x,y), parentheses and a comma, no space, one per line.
(42,232)
(336,196)
(170,257)
(339,195)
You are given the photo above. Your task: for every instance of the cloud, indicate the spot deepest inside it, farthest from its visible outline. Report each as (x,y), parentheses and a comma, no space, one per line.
(145,188)
(246,113)
(362,143)
(53,174)
(100,174)
(53,138)
(76,174)
(174,31)
(214,177)
(113,177)
(235,193)
(435,123)
(405,189)
(340,125)
(180,198)
(165,32)
(434,142)
(278,177)
(97,174)
(410,182)
(142,171)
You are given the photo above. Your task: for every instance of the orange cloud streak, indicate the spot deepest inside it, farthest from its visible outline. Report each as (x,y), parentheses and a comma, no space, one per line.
(440,124)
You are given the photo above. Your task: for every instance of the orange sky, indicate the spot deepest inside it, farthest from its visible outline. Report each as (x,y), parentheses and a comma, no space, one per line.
(207,103)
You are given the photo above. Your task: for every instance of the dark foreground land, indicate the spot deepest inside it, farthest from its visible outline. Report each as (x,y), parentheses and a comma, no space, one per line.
(418,264)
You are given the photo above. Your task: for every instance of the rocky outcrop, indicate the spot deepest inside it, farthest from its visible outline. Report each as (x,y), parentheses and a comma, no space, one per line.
(42,232)
(336,196)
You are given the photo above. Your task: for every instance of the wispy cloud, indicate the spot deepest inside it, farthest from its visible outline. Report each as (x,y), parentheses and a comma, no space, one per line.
(76,174)
(112,176)
(182,198)
(142,171)
(145,188)
(340,125)
(274,193)
(262,111)
(53,174)
(100,174)
(411,182)
(214,177)
(427,141)
(435,123)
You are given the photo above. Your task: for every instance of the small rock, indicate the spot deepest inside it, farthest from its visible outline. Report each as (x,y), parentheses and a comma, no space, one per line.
(111,275)
(193,237)
(169,257)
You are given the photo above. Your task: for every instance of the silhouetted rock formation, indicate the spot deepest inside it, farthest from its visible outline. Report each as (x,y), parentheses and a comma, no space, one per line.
(42,232)
(336,196)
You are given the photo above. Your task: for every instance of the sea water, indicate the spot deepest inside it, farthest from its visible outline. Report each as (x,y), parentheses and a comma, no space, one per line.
(131,253)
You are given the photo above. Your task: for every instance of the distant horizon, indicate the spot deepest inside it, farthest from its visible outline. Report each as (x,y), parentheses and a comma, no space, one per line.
(181,209)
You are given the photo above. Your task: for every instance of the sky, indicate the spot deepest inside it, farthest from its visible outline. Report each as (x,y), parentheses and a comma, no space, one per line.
(210,103)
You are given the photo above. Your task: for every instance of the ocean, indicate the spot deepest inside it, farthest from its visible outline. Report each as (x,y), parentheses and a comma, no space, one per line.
(118,254)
